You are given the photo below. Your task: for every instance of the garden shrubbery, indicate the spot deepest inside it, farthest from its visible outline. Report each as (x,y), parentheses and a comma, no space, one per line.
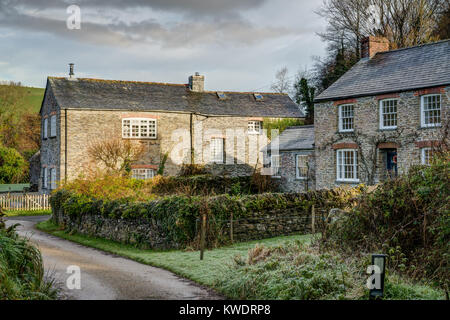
(406,218)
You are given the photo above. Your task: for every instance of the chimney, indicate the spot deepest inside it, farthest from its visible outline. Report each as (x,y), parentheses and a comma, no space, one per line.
(372,45)
(197,82)
(71,74)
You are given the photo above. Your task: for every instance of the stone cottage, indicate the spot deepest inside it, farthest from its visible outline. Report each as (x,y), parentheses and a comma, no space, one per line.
(384,115)
(222,130)
(294,164)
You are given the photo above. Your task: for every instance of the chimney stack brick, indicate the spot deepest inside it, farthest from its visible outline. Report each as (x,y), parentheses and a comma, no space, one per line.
(372,45)
(197,83)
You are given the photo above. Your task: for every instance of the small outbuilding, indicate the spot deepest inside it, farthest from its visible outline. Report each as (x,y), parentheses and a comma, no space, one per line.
(294,163)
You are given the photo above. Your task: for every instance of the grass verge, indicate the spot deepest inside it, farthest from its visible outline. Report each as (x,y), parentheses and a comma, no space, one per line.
(183,263)
(20,213)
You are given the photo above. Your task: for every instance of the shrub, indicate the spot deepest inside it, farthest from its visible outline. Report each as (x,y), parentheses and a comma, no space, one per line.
(21,268)
(406,218)
(12,165)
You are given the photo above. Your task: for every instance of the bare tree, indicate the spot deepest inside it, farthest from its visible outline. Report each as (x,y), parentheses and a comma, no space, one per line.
(282,83)
(115,154)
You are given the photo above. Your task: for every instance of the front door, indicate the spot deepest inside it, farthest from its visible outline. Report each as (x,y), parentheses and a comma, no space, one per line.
(391,162)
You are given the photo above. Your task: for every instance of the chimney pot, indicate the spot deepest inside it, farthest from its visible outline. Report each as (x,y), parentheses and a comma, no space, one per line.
(372,45)
(71,73)
(197,83)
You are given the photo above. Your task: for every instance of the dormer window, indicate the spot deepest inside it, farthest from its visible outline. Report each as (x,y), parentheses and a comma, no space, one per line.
(258,96)
(221,95)
(139,128)
(254,127)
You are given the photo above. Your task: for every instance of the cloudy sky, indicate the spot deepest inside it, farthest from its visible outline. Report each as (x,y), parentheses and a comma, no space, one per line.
(236,44)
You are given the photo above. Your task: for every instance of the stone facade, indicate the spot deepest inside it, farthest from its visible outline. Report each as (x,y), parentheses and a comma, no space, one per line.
(371,142)
(85,127)
(289,182)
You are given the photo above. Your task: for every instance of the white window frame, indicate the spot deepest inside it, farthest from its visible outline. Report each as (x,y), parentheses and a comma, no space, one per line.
(355,166)
(423,157)
(382,126)
(52,178)
(53,126)
(45,128)
(254,127)
(143,173)
(297,168)
(44,177)
(216,157)
(276,170)
(422,111)
(138,121)
(341,123)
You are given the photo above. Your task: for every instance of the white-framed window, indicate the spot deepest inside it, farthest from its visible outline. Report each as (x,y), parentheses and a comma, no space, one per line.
(52,178)
(388,114)
(426,156)
(346,116)
(301,166)
(141,128)
(254,127)
(430,106)
(44,177)
(275,164)
(216,148)
(45,128)
(347,165)
(143,174)
(53,126)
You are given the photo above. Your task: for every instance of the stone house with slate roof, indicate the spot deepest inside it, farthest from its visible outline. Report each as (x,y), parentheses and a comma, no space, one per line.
(382,116)
(294,164)
(181,120)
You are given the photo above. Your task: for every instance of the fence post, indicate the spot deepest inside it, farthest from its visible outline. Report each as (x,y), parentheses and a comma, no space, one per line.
(231,227)
(203,235)
(313,219)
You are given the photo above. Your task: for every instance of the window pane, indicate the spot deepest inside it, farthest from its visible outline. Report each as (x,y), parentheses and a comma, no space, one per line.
(389,113)
(216,149)
(346,117)
(432,110)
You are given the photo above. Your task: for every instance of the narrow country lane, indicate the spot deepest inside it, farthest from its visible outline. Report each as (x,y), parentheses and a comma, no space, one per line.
(103,275)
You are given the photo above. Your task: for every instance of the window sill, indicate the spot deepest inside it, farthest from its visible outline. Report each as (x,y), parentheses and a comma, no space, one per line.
(348,181)
(387,129)
(126,138)
(276,177)
(346,131)
(254,133)
(431,127)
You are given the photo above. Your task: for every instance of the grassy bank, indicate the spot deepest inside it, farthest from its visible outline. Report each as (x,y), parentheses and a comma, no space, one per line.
(21,213)
(21,269)
(277,268)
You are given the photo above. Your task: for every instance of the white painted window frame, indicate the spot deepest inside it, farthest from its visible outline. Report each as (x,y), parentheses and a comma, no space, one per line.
(45,128)
(382,114)
(355,166)
(422,111)
(139,136)
(216,157)
(254,124)
(52,178)
(147,173)
(275,172)
(297,168)
(423,157)
(341,123)
(53,126)
(45,177)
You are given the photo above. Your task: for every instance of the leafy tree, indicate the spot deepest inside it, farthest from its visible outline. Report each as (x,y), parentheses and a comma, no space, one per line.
(12,165)
(304,94)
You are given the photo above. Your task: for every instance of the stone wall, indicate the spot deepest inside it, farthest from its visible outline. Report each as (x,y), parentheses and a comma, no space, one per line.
(288,174)
(408,137)
(254,226)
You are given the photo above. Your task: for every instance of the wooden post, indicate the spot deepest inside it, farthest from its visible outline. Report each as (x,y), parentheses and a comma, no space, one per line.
(231,227)
(313,219)
(203,235)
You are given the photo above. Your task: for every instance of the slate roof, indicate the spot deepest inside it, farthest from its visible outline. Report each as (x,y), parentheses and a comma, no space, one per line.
(96,94)
(399,70)
(294,138)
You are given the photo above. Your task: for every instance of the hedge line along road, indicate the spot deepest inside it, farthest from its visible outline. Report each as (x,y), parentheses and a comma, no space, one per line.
(104,276)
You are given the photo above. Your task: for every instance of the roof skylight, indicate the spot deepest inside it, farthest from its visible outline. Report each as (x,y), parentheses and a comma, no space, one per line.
(221,95)
(258,96)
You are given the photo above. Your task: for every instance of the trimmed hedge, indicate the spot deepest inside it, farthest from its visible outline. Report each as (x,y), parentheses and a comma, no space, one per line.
(177,216)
